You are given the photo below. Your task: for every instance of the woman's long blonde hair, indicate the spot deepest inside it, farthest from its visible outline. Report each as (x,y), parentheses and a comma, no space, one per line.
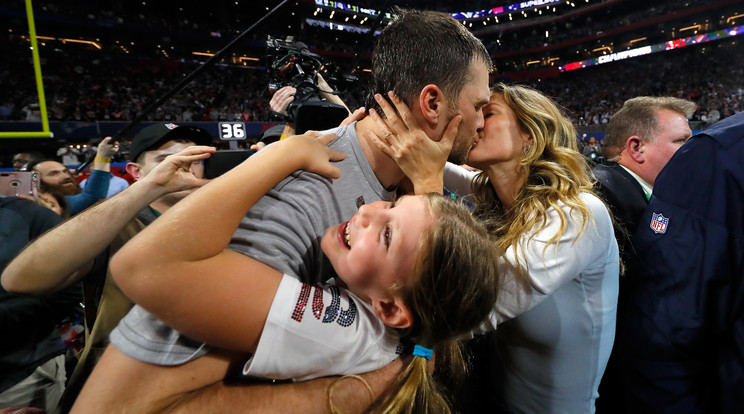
(554,172)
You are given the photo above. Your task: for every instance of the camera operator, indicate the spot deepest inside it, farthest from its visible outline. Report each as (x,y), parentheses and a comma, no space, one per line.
(281,100)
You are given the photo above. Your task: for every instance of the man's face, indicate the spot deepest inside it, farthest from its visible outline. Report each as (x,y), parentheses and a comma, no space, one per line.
(56,177)
(154,157)
(21,159)
(473,97)
(674,131)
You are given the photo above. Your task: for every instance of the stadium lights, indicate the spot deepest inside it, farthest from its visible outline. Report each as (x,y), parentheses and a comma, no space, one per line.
(64,40)
(732,18)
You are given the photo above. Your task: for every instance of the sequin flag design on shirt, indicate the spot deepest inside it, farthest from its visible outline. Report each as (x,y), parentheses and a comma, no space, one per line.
(344,317)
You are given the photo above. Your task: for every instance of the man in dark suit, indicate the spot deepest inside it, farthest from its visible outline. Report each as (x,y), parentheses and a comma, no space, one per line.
(641,138)
(682,349)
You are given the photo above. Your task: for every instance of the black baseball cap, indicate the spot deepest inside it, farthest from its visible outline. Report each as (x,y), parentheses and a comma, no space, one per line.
(272,134)
(155,135)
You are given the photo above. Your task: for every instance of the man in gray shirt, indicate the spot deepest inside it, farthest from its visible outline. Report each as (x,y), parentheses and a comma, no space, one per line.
(284,227)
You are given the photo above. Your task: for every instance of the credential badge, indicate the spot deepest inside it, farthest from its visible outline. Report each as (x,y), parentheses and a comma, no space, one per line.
(659,223)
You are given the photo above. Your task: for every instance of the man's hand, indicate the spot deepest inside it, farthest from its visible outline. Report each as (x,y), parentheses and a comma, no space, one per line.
(175,172)
(45,199)
(107,148)
(281,99)
(257,146)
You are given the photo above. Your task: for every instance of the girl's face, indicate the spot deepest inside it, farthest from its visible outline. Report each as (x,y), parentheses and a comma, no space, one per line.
(501,140)
(378,246)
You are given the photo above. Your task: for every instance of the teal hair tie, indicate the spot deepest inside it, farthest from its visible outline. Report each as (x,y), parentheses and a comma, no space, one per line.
(419,350)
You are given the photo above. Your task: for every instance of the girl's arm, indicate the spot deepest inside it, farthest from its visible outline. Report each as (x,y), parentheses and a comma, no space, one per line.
(418,156)
(178,268)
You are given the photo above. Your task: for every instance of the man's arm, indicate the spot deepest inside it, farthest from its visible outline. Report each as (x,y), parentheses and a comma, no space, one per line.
(121,384)
(40,269)
(97,186)
(327,91)
(349,395)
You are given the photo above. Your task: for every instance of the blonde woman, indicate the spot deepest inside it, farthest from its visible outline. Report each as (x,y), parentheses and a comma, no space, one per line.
(534,192)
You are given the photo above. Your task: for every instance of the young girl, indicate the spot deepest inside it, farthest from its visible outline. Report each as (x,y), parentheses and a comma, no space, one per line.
(422,265)
(534,192)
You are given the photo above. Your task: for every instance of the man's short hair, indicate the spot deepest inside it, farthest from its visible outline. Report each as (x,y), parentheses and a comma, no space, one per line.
(420,48)
(638,117)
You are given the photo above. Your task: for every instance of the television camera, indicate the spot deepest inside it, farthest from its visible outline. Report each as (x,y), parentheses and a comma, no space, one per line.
(292,64)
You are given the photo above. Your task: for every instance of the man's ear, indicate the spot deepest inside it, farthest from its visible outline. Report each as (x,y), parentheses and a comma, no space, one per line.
(634,148)
(134,170)
(432,104)
(392,312)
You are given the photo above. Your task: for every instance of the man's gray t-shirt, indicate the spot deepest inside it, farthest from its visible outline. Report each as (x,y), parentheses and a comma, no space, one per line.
(283,230)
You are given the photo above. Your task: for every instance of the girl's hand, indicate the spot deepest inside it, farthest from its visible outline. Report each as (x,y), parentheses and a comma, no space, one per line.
(311,153)
(357,115)
(418,156)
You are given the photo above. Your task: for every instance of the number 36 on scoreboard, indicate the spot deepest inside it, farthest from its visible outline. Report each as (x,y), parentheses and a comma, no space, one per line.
(232,131)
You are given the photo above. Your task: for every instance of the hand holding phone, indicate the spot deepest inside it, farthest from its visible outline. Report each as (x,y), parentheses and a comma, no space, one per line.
(19,183)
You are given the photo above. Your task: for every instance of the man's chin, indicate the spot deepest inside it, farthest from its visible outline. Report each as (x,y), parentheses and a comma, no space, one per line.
(70,189)
(459,153)
(458,156)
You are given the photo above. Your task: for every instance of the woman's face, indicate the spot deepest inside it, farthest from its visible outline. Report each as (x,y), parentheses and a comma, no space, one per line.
(501,140)
(378,246)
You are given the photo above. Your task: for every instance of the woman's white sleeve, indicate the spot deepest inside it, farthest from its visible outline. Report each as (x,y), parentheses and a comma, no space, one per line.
(458,180)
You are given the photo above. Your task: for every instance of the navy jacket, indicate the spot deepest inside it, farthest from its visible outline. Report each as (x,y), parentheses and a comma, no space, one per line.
(682,341)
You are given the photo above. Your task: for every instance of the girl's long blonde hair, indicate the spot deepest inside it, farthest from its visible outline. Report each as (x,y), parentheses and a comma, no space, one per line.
(453,290)
(554,172)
